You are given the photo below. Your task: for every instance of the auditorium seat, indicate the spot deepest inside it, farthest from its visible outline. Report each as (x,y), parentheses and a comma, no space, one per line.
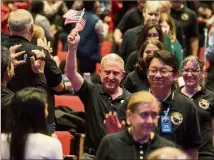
(66,140)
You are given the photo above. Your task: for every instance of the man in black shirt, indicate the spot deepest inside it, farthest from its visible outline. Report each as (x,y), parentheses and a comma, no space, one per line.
(151,12)
(137,141)
(97,99)
(162,71)
(188,20)
(131,19)
(21,29)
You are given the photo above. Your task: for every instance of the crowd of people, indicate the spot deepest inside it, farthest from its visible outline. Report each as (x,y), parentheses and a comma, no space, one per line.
(153,97)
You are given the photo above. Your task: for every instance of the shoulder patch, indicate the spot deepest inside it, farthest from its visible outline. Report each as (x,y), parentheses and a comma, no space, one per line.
(203,103)
(185,16)
(176,118)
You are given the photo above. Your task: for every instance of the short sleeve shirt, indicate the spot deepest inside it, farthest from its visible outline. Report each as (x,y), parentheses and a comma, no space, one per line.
(97,103)
(204,101)
(121,145)
(184,120)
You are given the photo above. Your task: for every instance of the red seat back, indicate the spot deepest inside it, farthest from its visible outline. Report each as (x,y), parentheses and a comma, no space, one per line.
(65,138)
(72,102)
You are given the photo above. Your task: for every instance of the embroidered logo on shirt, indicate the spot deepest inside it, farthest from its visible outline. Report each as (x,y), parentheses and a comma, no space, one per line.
(203,103)
(176,118)
(185,16)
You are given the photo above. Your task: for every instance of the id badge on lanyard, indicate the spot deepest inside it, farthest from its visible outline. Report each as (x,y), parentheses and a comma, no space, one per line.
(166,124)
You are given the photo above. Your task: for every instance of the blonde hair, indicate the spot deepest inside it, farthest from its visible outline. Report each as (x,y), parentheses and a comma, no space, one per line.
(38,32)
(167,153)
(156,5)
(172,31)
(142,97)
(114,57)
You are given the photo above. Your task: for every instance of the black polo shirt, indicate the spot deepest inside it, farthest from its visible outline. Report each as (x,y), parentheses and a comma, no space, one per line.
(131,62)
(188,20)
(97,103)
(121,145)
(184,121)
(136,81)
(204,101)
(131,19)
(25,77)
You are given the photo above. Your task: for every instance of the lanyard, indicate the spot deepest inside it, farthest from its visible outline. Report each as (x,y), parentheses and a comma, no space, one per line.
(167,111)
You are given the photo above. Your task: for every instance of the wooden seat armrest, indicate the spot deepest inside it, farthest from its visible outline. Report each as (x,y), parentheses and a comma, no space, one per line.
(79,143)
(70,157)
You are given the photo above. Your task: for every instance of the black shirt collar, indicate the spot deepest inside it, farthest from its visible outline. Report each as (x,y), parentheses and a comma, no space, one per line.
(121,97)
(129,139)
(19,37)
(169,99)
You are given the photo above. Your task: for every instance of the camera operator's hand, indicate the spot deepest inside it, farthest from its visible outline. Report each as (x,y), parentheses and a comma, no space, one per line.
(15,54)
(38,61)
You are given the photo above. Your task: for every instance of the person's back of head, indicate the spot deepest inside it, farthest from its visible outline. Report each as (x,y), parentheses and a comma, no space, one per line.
(167,153)
(36,6)
(38,32)
(89,5)
(20,22)
(28,115)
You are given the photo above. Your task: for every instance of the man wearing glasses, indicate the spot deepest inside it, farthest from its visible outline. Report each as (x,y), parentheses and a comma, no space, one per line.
(177,110)
(97,99)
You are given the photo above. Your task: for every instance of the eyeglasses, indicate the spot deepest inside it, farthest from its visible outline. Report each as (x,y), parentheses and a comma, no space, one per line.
(163,72)
(192,71)
(152,35)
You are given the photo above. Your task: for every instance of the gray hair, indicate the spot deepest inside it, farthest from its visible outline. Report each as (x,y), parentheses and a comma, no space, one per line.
(112,56)
(20,20)
(197,63)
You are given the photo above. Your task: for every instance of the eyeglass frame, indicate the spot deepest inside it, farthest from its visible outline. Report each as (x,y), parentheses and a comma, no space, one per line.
(159,70)
(152,35)
(191,71)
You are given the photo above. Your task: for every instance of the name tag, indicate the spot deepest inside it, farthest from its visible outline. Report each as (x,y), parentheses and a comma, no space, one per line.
(166,125)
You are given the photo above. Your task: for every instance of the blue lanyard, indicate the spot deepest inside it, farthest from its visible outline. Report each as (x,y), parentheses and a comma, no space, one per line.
(167,112)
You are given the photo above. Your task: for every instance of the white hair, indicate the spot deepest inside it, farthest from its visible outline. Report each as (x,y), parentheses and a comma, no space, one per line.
(20,20)
(156,5)
(112,56)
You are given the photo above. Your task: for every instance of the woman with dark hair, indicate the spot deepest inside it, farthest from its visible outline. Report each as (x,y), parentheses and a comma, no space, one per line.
(28,137)
(137,79)
(192,73)
(151,30)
